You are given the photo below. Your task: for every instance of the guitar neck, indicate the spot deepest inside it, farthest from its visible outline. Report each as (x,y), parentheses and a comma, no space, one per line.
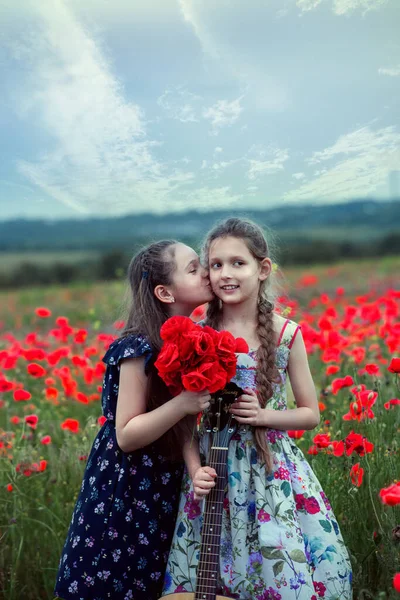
(208,568)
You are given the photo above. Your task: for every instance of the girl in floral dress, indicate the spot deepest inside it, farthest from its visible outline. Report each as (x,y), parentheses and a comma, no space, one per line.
(280,539)
(121,529)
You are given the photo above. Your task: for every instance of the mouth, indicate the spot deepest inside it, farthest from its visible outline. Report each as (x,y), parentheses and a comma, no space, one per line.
(229,288)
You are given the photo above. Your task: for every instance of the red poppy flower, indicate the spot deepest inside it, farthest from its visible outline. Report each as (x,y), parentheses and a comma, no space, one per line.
(21,395)
(308,280)
(372,369)
(80,336)
(43,312)
(392,402)
(32,421)
(15,420)
(391,494)
(82,398)
(355,442)
(296,434)
(6,386)
(62,321)
(79,361)
(46,439)
(358,354)
(101,420)
(356,474)
(361,408)
(71,425)
(325,324)
(34,354)
(51,393)
(332,369)
(338,384)
(9,487)
(396,582)
(36,370)
(394,366)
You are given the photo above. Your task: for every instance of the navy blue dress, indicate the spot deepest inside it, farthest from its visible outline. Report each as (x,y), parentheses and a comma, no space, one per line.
(123,522)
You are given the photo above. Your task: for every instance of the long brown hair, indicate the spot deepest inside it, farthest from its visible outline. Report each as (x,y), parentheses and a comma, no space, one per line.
(153,265)
(267,372)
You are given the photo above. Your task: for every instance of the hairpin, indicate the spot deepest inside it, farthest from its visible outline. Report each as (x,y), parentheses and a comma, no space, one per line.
(145,274)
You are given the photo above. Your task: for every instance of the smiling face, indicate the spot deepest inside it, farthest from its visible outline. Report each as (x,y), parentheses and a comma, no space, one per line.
(190,283)
(235,274)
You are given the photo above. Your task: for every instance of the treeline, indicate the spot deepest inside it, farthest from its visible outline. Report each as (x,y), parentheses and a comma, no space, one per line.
(106,234)
(113,264)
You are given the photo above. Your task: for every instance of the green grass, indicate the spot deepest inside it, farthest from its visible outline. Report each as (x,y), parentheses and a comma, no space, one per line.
(34,517)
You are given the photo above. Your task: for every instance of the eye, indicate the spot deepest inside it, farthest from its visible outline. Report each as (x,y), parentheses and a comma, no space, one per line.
(238,263)
(215,265)
(194,270)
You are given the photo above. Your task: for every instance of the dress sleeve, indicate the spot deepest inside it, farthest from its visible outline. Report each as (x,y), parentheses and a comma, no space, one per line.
(130,346)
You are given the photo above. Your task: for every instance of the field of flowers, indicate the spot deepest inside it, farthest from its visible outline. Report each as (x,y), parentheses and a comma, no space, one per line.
(51,344)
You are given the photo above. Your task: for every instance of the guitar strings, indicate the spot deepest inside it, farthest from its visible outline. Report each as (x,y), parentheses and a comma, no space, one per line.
(221,440)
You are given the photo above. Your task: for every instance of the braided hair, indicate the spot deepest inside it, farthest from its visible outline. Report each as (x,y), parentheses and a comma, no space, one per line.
(267,373)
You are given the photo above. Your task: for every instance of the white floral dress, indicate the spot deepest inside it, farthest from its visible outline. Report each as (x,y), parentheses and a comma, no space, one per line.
(280,539)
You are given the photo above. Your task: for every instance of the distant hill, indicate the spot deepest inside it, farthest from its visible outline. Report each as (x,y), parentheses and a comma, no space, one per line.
(352,220)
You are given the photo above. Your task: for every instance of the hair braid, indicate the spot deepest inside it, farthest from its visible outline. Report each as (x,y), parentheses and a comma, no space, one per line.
(267,372)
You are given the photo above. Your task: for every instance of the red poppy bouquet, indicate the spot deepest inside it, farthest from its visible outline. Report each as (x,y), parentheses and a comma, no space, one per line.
(197,358)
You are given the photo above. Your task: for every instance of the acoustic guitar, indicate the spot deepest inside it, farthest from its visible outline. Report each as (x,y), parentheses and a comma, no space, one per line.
(221,426)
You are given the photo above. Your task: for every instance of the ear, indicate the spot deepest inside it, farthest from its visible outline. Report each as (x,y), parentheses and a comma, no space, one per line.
(265,269)
(163,294)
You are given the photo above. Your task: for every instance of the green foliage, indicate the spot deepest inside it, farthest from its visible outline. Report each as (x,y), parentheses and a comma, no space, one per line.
(35,515)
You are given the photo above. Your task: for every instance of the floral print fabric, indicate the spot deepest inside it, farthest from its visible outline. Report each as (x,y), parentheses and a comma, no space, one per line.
(280,539)
(121,529)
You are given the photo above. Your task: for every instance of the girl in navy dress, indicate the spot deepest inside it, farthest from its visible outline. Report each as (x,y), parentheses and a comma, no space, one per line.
(122,525)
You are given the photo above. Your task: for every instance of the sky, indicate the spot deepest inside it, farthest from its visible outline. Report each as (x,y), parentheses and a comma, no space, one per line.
(113,107)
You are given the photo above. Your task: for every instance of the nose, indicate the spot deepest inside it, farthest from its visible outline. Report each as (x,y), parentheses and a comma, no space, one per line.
(204,273)
(225,272)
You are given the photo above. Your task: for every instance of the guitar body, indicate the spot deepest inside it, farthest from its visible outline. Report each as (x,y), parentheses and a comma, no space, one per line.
(190,596)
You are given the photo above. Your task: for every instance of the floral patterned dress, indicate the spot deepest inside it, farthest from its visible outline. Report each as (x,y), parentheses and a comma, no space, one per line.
(280,539)
(122,526)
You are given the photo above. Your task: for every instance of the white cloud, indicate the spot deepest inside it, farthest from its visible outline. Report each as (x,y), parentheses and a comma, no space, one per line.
(223,114)
(306,5)
(391,71)
(206,198)
(342,7)
(298,176)
(224,164)
(180,104)
(100,158)
(362,161)
(259,168)
(262,89)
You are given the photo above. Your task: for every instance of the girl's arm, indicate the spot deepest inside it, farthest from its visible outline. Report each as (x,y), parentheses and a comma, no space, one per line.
(203,478)
(136,428)
(305,416)
(190,448)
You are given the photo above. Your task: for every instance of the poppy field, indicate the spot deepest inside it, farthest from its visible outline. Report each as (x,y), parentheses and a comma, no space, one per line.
(51,344)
